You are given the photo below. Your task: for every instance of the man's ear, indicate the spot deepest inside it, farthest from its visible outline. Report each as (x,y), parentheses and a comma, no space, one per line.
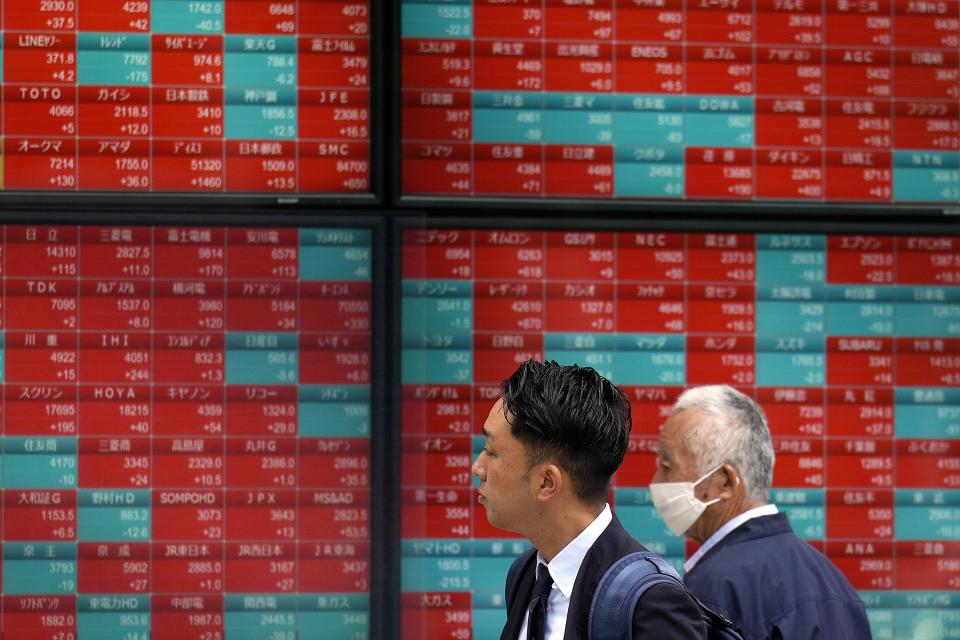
(729,480)
(551,482)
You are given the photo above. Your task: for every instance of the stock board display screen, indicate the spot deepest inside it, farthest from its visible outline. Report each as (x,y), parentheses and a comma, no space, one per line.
(185,432)
(851,343)
(732,100)
(196,96)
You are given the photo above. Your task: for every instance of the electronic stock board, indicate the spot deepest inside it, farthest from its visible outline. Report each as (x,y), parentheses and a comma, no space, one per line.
(268,97)
(850,342)
(186,420)
(779,101)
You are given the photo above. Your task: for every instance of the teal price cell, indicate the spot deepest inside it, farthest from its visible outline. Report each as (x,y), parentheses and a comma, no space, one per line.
(261,122)
(436,573)
(591,350)
(578,119)
(791,259)
(436,358)
(719,121)
(113,516)
(260,616)
(335,254)
(333,411)
(806,510)
(927,311)
(650,359)
(927,614)
(926,514)
(880,613)
(804,319)
(791,361)
(649,171)
(113,617)
(39,463)
(439,308)
(117,59)
(39,567)
(648,120)
(260,61)
(447,19)
(489,611)
(931,176)
(333,616)
(859,310)
(187,16)
(507,117)
(927,413)
(261,358)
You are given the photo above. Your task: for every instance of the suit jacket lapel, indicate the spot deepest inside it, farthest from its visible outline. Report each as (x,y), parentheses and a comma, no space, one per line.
(518,609)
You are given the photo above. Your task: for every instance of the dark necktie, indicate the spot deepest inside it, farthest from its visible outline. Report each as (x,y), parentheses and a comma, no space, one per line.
(537,623)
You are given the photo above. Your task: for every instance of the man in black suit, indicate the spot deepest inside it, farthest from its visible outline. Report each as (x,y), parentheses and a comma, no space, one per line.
(553,440)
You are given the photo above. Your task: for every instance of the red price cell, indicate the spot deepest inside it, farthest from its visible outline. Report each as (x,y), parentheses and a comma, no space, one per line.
(37,514)
(262,253)
(435,254)
(439,409)
(436,616)
(340,17)
(511,65)
(41,357)
(928,361)
(194,567)
(720,70)
(796,23)
(46,617)
(720,173)
(928,74)
(334,166)
(860,514)
(924,26)
(436,64)
(794,412)
(593,22)
(186,617)
(860,259)
(927,125)
(860,412)
(651,256)
(640,462)
(508,170)
(114,16)
(436,461)
(576,255)
(262,305)
(334,568)
(41,251)
(721,359)
(859,175)
(119,305)
(789,71)
(436,513)
(928,463)
(492,19)
(721,308)
(928,260)
(509,255)
(726,22)
(436,115)
(867,564)
(112,567)
(579,170)
(651,308)
(333,62)
(262,166)
(334,359)
(579,66)
(115,410)
(496,356)
(40,110)
(188,410)
(190,304)
(40,163)
(651,407)
(261,514)
(186,514)
(109,112)
(485,397)
(115,164)
(188,462)
(857,123)
(188,165)
(334,515)
(927,566)
(794,122)
(859,361)
(257,16)
(39,57)
(650,21)
(335,463)
(790,173)
(649,68)
(437,168)
(193,252)
(800,462)
(866,463)
(186,61)
(262,411)
(579,306)
(334,113)
(721,257)
(859,22)
(261,462)
(41,409)
(188,116)
(509,306)
(188,358)
(116,463)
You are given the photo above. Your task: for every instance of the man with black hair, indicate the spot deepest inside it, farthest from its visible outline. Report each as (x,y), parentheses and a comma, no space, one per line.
(553,440)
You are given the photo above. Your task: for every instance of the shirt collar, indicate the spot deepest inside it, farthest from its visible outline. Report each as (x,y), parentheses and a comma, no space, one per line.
(722,532)
(566,565)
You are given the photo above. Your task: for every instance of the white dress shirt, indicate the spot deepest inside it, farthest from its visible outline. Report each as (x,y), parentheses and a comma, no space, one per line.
(722,532)
(563,569)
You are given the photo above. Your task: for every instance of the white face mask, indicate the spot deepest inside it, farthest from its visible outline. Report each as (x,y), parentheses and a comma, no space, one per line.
(677,503)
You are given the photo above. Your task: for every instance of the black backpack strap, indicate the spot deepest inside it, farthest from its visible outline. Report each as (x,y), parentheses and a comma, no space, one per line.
(620,588)
(516,570)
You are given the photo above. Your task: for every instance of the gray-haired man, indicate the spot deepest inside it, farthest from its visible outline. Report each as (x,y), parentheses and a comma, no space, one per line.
(714,472)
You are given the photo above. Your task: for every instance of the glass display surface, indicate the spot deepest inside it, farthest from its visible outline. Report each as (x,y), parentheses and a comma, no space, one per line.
(185,432)
(850,342)
(186,96)
(792,101)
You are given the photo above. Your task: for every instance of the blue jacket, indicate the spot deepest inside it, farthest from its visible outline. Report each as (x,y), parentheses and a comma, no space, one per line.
(775,586)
